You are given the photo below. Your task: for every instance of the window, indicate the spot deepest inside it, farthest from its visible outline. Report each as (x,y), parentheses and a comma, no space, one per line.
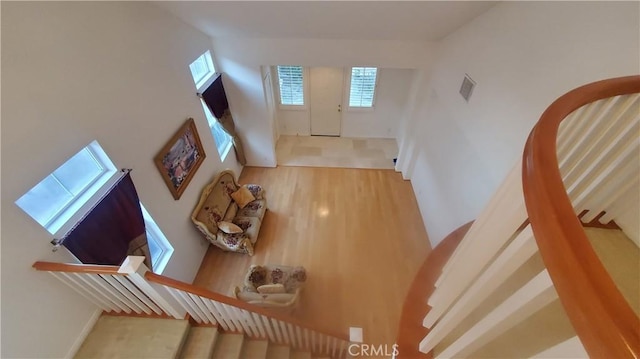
(291,84)
(54,200)
(363,86)
(222,139)
(202,70)
(159,246)
(61,198)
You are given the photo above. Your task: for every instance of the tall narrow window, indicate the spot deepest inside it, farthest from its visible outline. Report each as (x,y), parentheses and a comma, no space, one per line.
(67,193)
(363,86)
(202,70)
(159,246)
(291,84)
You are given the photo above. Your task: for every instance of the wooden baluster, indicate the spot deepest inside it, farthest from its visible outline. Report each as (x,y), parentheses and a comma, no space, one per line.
(504,214)
(514,256)
(533,296)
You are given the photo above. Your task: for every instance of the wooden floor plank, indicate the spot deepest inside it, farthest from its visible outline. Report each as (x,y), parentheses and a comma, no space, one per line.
(358,232)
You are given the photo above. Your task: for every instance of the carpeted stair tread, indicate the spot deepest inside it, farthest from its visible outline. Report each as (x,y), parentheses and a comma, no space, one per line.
(134,337)
(255,349)
(278,351)
(199,343)
(228,346)
(300,355)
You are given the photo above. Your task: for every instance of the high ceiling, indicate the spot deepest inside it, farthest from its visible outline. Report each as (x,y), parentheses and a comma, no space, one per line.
(355,20)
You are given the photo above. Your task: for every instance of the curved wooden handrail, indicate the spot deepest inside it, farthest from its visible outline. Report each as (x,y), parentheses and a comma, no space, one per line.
(75,268)
(160,279)
(411,330)
(603,320)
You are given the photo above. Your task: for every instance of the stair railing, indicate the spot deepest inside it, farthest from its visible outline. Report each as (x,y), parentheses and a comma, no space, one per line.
(133,289)
(117,289)
(589,175)
(594,154)
(234,315)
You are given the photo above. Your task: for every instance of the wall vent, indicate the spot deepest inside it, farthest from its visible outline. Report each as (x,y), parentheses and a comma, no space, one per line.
(466,89)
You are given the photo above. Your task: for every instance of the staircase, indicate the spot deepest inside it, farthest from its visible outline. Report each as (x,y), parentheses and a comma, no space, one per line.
(146,311)
(525,265)
(145,337)
(529,278)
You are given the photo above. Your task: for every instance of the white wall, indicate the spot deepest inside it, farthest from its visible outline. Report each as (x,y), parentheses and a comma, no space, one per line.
(381,121)
(240,61)
(406,140)
(386,116)
(73,72)
(292,120)
(523,55)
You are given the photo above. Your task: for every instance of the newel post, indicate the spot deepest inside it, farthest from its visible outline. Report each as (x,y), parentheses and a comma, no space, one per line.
(135,269)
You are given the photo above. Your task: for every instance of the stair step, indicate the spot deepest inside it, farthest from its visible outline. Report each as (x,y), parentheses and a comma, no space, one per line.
(134,337)
(200,343)
(255,349)
(300,355)
(278,351)
(228,346)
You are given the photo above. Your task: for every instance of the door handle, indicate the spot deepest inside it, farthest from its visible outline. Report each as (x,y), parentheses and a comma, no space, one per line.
(339,108)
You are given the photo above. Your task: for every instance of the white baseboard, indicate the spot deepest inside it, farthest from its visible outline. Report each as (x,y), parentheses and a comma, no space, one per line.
(83,334)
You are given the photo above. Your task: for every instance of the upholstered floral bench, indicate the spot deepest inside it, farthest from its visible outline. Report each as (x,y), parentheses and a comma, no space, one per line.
(273,286)
(229,215)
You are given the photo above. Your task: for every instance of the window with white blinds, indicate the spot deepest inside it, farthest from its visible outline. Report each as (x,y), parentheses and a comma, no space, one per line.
(363,86)
(202,69)
(291,84)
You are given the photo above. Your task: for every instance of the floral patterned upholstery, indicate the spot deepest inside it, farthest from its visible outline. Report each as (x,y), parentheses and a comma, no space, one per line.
(256,190)
(216,205)
(250,226)
(293,279)
(254,209)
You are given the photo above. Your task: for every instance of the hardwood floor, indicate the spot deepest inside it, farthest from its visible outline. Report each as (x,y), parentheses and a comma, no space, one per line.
(358,233)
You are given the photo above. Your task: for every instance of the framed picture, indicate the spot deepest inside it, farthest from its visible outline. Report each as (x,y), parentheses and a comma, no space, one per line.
(180,158)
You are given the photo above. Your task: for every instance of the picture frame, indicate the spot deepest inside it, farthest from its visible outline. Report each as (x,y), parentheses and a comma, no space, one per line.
(180,158)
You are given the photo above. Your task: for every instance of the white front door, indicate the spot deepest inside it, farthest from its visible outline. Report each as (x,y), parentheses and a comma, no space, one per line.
(325,93)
